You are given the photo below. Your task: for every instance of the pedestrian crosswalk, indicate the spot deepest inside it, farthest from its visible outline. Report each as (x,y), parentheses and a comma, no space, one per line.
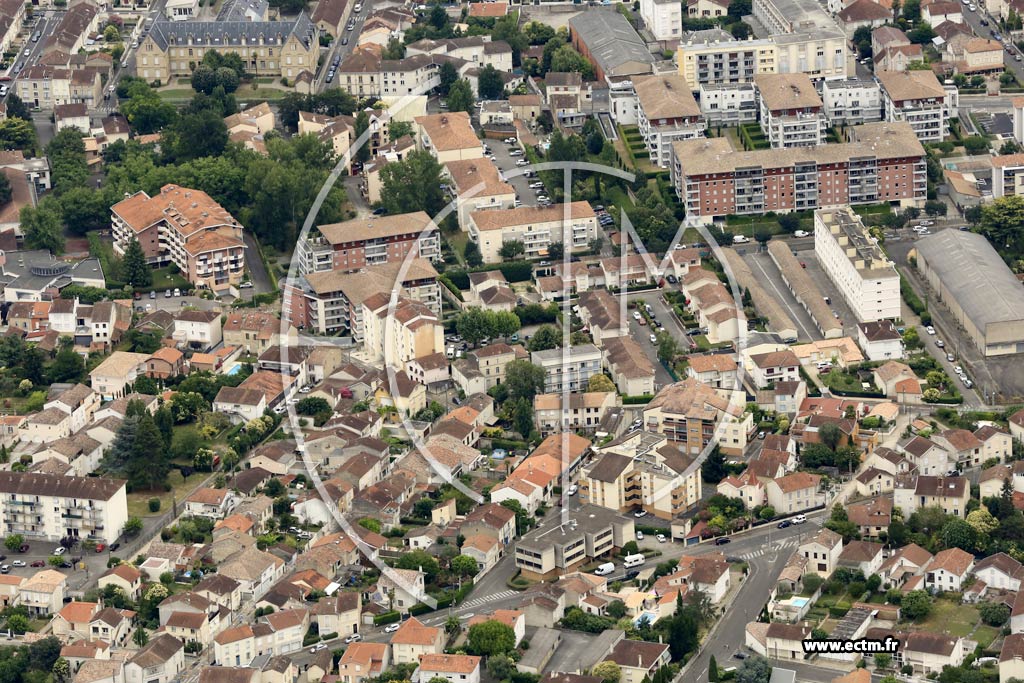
(768,549)
(477,602)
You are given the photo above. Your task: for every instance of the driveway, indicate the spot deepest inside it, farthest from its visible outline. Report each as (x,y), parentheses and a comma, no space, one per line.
(257,269)
(507,164)
(764,269)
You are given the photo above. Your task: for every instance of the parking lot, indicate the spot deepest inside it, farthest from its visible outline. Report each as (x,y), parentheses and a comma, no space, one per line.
(506,163)
(87,566)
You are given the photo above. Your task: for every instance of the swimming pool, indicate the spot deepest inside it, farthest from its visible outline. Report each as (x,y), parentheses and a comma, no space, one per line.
(235,369)
(799,602)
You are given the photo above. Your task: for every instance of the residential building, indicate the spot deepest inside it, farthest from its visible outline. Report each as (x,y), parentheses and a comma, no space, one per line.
(584,411)
(856,264)
(478,185)
(355,244)
(184,227)
(642,471)
(796,492)
(161,660)
(12,17)
(331,302)
(949,493)
(696,415)
(715,58)
(363,660)
(414,640)
(948,570)
(822,552)
(666,112)
(592,532)
(111,378)
(574,225)
(728,104)
(882,162)
(279,49)
(397,332)
(630,368)
(664,19)
(49,507)
(454,668)
(47,86)
(918,98)
(792,114)
(637,659)
(880,340)
(767,369)
(449,137)
(568,370)
(852,101)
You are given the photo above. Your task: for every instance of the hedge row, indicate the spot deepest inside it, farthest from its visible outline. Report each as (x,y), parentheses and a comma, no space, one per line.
(636,400)
(387,618)
(514,271)
(913,302)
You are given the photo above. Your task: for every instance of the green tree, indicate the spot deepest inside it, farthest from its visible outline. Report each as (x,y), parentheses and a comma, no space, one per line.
(600,383)
(66,152)
(5,190)
(41,226)
(830,435)
(362,124)
(754,669)
(523,379)
(18,623)
(395,49)
(512,249)
(957,533)
(203,134)
(61,668)
(668,347)
(83,210)
(464,565)
(419,559)
(68,366)
(567,58)
(522,416)
(994,613)
(713,469)
(136,271)
(608,671)
(460,96)
(1000,222)
(17,133)
(490,84)
(490,638)
(546,337)
(448,75)
(14,541)
(140,637)
(471,252)
(413,184)
(916,605)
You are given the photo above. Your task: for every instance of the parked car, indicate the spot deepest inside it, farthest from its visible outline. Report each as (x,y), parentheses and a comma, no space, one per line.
(391,628)
(785,524)
(100,547)
(37,563)
(661,538)
(640,513)
(799,519)
(18,563)
(317,648)
(722,540)
(59,550)
(355,637)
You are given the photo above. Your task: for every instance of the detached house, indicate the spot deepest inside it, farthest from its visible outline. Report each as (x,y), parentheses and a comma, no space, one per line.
(413,640)
(948,570)
(795,492)
(822,552)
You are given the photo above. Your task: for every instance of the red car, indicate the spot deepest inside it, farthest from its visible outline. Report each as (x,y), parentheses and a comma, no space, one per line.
(38,563)
(100,547)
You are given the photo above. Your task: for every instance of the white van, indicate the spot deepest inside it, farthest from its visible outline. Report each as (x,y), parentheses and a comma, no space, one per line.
(634,560)
(605,569)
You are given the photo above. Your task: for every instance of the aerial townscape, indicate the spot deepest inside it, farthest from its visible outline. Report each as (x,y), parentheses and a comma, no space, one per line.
(511,341)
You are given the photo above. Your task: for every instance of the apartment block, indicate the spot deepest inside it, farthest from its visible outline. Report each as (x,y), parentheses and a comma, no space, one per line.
(695,415)
(792,114)
(574,225)
(355,244)
(1007,175)
(852,101)
(663,18)
(49,507)
(477,184)
(918,98)
(857,266)
(591,532)
(728,104)
(642,471)
(185,227)
(568,369)
(883,162)
(714,57)
(577,412)
(282,49)
(399,333)
(666,112)
(449,136)
(331,302)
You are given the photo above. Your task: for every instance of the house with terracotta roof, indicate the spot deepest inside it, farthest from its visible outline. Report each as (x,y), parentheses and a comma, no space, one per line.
(927,456)
(996,443)
(774,366)
(363,660)
(962,445)
(745,486)
(873,481)
(74,618)
(888,375)
(185,227)
(165,362)
(785,641)
(795,492)
(209,502)
(948,570)
(125,577)
(1000,571)
(928,653)
(414,640)
(871,516)
(455,668)
(904,564)
(717,370)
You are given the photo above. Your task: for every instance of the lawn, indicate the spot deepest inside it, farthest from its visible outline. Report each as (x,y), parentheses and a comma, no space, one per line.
(837,379)
(984,635)
(457,241)
(245,93)
(951,618)
(169,277)
(138,502)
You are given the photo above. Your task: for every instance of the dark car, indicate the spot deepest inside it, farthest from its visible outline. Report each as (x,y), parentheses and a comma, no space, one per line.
(37,563)
(114,546)
(785,524)
(65,565)
(24,548)
(632,574)
(740,654)
(722,540)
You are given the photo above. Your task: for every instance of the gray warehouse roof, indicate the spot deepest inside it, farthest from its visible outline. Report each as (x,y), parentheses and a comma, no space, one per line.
(612,42)
(970,269)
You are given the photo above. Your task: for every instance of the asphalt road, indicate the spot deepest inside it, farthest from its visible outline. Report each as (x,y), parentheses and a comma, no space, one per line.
(340,50)
(257,269)
(973,19)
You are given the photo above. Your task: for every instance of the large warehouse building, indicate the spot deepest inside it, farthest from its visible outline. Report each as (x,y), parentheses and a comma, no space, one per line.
(977,287)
